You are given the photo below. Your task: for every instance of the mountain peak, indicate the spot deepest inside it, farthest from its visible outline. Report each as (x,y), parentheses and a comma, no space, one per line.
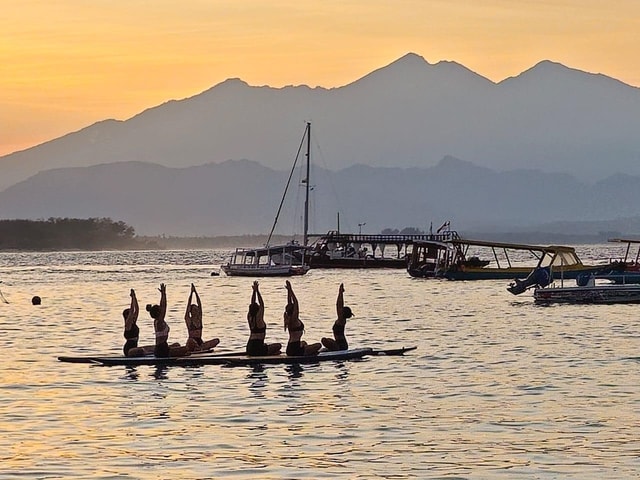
(411,71)
(409,60)
(230,84)
(548,73)
(451,163)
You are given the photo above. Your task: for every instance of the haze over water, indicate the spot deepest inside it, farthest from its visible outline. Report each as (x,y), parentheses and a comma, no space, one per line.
(498,387)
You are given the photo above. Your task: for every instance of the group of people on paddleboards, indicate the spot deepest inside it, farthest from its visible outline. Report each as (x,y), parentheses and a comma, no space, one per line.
(256,345)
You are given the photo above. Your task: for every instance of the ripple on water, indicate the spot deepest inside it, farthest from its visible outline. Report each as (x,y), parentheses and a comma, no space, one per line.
(498,388)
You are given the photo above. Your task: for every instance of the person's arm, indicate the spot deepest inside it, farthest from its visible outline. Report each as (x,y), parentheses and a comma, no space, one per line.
(254,294)
(187,313)
(340,301)
(197,298)
(133,309)
(163,301)
(292,299)
(259,296)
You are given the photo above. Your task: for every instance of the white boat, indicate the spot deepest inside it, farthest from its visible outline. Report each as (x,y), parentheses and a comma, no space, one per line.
(276,260)
(592,292)
(273,261)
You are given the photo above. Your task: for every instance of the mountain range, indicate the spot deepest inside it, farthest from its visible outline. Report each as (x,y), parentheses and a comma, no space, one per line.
(242,197)
(405,145)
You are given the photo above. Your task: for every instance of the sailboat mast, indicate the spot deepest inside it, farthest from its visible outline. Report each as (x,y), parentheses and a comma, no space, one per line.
(306,198)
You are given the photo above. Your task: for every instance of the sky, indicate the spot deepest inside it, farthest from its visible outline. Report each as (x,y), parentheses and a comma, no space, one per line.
(66,64)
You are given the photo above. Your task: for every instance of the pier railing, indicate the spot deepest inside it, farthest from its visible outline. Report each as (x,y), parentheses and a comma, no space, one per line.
(347,238)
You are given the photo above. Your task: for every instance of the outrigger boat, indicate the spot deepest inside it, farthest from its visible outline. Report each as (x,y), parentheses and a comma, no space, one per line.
(465,259)
(617,272)
(429,258)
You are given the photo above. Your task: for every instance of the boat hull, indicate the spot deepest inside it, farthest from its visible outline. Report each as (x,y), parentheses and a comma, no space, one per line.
(599,294)
(319,262)
(268,271)
(510,273)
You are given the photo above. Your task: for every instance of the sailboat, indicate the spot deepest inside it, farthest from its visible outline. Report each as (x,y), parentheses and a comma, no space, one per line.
(276,260)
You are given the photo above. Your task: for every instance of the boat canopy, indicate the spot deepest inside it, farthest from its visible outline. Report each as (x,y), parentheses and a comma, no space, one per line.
(629,241)
(547,255)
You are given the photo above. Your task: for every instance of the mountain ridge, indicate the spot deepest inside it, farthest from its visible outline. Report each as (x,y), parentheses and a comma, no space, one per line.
(408,113)
(238,197)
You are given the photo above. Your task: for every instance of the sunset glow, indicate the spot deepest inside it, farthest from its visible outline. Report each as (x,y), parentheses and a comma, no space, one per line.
(67,64)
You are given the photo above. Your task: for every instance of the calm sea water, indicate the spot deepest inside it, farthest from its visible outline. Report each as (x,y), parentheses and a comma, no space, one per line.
(498,388)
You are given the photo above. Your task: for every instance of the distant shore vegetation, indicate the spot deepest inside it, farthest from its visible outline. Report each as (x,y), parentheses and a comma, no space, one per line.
(67,234)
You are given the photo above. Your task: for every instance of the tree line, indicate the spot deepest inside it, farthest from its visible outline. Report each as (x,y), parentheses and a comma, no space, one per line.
(66,234)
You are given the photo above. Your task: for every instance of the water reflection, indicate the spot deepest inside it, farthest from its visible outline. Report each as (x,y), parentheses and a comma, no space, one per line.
(342,373)
(160,372)
(258,380)
(294,371)
(131,373)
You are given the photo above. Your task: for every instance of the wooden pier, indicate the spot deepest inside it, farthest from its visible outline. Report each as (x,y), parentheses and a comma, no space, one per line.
(355,250)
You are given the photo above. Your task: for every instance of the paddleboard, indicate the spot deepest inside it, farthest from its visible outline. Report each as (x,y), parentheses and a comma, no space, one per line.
(237,358)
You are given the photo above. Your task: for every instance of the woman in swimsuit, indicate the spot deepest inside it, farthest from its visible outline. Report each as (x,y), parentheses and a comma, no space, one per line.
(193,319)
(158,312)
(258,328)
(131,330)
(339,341)
(292,322)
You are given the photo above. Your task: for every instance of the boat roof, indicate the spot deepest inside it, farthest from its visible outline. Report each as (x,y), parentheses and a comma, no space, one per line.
(625,240)
(270,249)
(513,246)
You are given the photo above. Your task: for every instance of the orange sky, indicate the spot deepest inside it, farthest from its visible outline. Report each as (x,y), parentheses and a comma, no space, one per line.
(69,63)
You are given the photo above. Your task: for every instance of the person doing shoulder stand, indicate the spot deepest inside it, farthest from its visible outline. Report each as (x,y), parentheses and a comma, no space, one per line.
(339,341)
(193,319)
(258,328)
(131,330)
(158,312)
(292,322)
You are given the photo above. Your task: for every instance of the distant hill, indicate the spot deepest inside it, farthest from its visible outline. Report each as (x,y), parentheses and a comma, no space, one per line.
(242,197)
(408,114)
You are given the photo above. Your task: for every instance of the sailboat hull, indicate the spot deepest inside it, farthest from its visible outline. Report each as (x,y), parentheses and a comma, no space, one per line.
(264,271)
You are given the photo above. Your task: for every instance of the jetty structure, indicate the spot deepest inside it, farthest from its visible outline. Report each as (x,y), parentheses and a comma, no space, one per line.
(356,250)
